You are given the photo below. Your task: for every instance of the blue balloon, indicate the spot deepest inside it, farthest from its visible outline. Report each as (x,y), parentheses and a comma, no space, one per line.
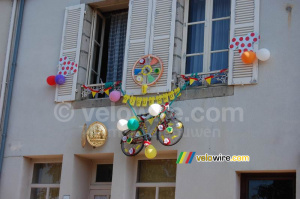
(60,79)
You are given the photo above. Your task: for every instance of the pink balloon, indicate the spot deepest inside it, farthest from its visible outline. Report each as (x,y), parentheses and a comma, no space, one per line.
(115,96)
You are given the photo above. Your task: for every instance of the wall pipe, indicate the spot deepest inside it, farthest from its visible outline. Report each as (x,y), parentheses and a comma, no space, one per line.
(10,33)
(11,82)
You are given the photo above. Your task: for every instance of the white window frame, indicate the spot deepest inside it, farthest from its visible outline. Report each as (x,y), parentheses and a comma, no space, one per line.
(156,185)
(47,186)
(207,37)
(92,47)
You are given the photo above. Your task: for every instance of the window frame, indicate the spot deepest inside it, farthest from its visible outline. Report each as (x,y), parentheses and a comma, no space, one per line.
(245,177)
(100,185)
(47,186)
(155,185)
(208,21)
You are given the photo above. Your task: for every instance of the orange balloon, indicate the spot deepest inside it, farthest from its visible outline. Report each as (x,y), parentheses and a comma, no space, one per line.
(248,57)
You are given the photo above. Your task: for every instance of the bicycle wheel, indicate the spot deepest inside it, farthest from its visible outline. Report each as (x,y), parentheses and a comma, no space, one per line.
(131,143)
(171,133)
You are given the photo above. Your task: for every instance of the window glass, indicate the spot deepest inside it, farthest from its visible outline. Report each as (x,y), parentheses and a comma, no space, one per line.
(220,34)
(221,8)
(104,173)
(166,193)
(46,173)
(157,171)
(271,189)
(195,39)
(53,193)
(196,10)
(219,61)
(194,64)
(38,193)
(145,193)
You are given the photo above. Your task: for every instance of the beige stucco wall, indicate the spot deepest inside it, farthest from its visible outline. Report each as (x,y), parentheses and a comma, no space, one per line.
(269,133)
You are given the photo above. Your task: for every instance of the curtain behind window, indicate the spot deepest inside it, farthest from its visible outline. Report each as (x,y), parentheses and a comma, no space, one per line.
(116,47)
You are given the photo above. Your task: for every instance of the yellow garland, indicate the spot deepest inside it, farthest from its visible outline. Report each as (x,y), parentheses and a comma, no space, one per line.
(147,101)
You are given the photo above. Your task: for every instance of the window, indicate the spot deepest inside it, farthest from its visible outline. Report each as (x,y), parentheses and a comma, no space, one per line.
(156,179)
(205,46)
(45,181)
(104,172)
(268,186)
(108,37)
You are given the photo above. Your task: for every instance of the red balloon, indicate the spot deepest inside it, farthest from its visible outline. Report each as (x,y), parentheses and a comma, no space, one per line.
(51,80)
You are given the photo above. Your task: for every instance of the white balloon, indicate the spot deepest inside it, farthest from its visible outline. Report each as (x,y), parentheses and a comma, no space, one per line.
(263,54)
(154,109)
(122,125)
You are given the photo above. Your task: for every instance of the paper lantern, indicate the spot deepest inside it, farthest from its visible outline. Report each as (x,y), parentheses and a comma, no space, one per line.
(263,54)
(162,116)
(122,125)
(154,109)
(179,125)
(115,96)
(147,143)
(167,141)
(248,57)
(131,151)
(51,80)
(169,130)
(161,127)
(133,124)
(150,152)
(60,79)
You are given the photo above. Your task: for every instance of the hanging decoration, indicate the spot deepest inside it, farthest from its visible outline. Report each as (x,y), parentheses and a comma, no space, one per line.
(147,71)
(111,89)
(65,68)
(263,54)
(96,134)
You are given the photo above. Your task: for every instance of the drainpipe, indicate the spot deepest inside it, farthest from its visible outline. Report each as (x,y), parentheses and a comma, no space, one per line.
(11,82)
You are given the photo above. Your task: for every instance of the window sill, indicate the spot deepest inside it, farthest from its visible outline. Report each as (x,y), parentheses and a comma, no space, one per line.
(199,92)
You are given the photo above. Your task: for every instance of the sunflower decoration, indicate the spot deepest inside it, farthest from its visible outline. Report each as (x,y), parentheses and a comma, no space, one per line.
(147,71)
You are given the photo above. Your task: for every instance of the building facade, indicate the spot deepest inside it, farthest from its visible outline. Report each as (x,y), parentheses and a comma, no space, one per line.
(228,107)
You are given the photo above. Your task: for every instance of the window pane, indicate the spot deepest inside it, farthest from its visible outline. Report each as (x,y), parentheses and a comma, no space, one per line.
(220,35)
(221,8)
(104,173)
(219,61)
(195,39)
(197,10)
(271,189)
(38,193)
(53,193)
(98,30)
(157,171)
(166,193)
(145,193)
(46,173)
(194,64)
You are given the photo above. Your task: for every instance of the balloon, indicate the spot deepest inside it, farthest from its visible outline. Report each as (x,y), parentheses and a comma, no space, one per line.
(122,125)
(248,57)
(115,96)
(263,54)
(133,124)
(154,109)
(60,79)
(150,152)
(51,80)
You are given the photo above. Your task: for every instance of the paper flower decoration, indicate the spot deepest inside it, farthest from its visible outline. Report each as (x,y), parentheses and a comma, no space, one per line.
(66,66)
(244,43)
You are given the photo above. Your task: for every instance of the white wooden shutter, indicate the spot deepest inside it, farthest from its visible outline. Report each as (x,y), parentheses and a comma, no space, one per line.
(244,19)
(151,27)
(162,40)
(137,41)
(70,47)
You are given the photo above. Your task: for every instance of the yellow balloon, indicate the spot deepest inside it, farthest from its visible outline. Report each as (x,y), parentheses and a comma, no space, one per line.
(150,152)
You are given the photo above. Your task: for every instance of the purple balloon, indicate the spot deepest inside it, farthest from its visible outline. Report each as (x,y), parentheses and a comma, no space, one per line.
(60,79)
(115,96)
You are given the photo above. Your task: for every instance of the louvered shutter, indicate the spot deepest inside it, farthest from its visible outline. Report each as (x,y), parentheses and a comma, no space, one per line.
(162,40)
(151,27)
(244,19)
(137,40)
(70,47)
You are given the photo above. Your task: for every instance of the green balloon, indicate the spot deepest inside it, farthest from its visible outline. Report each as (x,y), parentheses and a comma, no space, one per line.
(133,124)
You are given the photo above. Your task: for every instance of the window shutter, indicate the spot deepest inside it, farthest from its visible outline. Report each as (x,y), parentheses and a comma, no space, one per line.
(150,31)
(137,41)
(162,40)
(70,47)
(244,19)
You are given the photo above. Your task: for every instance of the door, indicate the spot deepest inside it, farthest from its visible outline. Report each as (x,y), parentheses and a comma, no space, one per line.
(100,194)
